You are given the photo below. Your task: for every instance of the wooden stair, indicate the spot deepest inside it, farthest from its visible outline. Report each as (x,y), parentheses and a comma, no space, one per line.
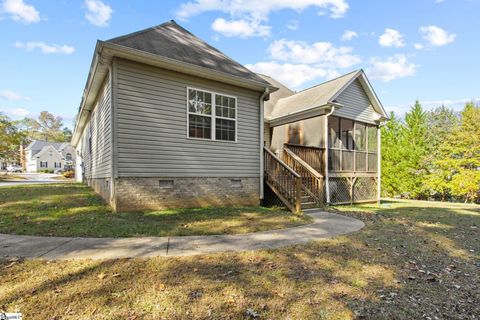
(293,181)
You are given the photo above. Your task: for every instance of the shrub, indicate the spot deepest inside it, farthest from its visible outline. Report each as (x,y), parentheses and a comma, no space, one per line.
(69,174)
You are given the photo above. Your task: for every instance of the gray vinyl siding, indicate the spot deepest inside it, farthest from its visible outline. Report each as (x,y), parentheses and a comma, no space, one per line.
(357,106)
(98,163)
(151,121)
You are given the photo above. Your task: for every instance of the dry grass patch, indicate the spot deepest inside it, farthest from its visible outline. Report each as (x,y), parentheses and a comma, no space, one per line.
(70,209)
(397,267)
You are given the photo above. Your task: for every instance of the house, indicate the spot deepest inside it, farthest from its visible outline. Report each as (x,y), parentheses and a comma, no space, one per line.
(49,156)
(166,120)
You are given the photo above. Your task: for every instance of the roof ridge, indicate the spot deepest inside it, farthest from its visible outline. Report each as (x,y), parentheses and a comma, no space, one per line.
(317,85)
(129,35)
(174,23)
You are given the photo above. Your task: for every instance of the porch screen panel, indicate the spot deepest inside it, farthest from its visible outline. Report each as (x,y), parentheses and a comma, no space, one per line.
(347,160)
(372,148)
(360,147)
(334,160)
(346,127)
(334,132)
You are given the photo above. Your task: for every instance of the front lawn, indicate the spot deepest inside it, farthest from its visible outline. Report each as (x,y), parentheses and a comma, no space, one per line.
(413,260)
(70,209)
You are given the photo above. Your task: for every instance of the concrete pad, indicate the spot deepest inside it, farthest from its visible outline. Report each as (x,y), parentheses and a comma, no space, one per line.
(325,225)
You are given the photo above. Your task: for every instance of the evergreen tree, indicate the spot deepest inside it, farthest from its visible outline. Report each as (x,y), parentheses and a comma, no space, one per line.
(441,123)
(415,147)
(391,156)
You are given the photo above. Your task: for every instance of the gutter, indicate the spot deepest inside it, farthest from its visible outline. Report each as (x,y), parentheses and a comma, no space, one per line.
(265,94)
(110,50)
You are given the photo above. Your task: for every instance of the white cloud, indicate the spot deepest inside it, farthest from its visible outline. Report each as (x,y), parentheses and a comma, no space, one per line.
(293,25)
(393,67)
(391,38)
(20,11)
(16,112)
(258,9)
(98,13)
(240,28)
(45,48)
(292,75)
(12,95)
(349,35)
(418,46)
(437,36)
(321,53)
(248,17)
(439,1)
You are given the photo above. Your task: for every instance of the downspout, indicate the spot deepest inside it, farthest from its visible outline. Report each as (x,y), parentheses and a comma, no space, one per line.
(379,163)
(262,124)
(327,178)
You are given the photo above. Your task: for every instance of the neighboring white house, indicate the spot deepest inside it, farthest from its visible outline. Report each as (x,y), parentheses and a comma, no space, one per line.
(44,155)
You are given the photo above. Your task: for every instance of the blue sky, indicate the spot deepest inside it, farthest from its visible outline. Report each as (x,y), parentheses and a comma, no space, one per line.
(422,49)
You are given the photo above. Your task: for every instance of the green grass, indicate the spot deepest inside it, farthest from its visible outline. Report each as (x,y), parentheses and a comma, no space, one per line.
(69,209)
(413,260)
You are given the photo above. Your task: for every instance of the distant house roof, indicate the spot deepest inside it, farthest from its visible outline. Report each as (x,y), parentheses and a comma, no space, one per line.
(324,94)
(282,92)
(37,145)
(172,41)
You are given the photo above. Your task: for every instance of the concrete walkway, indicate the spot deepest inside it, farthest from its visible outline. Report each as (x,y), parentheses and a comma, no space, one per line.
(325,225)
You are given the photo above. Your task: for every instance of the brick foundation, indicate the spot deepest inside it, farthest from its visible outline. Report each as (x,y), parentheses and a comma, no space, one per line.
(135,194)
(102,187)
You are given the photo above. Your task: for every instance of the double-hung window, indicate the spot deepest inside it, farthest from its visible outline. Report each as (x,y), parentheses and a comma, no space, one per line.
(211,115)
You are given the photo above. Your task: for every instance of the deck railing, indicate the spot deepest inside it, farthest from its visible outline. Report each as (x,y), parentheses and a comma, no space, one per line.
(312,180)
(284,181)
(311,155)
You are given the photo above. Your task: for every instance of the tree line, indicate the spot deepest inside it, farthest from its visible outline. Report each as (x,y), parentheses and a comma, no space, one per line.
(432,154)
(14,133)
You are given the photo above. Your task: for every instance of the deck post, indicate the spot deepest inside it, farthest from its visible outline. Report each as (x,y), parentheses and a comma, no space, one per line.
(379,162)
(298,194)
(325,160)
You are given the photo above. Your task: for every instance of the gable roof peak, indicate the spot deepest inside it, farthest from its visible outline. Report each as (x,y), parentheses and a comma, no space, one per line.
(171,40)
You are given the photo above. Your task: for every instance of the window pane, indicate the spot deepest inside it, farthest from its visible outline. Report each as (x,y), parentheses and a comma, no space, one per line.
(224,107)
(199,127)
(360,137)
(347,134)
(372,139)
(225,130)
(199,102)
(333,132)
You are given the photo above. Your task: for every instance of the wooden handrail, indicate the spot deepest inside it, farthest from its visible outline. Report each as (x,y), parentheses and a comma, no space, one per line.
(312,181)
(281,162)
(285,182)
(313,156)
(303,163)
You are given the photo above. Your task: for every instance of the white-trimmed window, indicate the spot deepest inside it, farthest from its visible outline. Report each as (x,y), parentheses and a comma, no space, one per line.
(43,164)
(211,115)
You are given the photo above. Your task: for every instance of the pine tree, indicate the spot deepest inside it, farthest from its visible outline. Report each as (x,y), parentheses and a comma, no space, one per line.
(391,156)
(415,147)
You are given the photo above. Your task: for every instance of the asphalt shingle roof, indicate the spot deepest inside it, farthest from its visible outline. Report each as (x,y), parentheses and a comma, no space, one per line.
(172,41)
(37,145)
(312,97)
(282,92)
